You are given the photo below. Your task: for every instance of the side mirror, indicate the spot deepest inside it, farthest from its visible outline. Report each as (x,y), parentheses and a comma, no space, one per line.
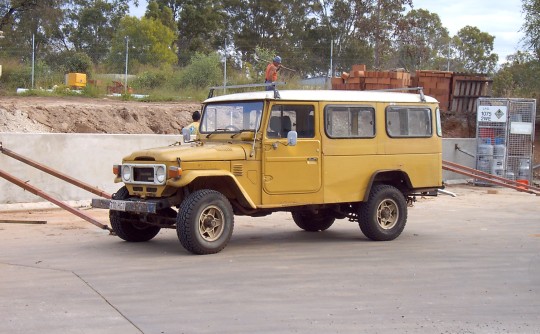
(186,135)
(292,137)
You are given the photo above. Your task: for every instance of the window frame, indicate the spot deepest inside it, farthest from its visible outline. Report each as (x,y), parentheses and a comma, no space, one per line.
(365,106)
(408,107)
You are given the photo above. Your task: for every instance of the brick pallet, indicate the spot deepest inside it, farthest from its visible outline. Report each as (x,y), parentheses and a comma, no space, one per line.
(455,91)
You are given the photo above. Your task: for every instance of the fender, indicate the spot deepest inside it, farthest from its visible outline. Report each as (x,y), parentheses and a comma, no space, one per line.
(190,176)
(378,173)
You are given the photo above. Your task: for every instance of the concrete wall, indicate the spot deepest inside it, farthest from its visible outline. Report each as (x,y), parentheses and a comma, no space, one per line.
(89,157)
(450,153)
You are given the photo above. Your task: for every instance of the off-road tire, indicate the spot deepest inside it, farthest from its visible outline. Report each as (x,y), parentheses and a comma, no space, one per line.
(384,215)
(130,231)
(205,222)
(313,222)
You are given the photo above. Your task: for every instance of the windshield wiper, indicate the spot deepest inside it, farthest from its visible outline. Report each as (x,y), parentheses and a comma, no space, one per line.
(243,130)
(215,131)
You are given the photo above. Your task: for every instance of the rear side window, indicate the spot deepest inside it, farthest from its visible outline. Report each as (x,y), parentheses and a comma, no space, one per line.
(408,121)
(349,121)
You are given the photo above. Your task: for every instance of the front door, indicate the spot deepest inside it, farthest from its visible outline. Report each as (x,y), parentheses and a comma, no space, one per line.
(292,169)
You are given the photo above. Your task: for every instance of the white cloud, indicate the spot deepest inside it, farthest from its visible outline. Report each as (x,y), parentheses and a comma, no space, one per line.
(502,19)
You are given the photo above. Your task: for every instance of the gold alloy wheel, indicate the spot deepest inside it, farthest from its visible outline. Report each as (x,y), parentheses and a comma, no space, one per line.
(211,223)
(387,214)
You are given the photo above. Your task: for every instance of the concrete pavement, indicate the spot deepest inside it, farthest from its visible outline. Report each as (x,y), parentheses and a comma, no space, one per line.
(469,264)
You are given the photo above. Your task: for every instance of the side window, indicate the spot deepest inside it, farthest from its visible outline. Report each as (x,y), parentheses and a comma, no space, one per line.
(349,121)
(285,118)
(408,122)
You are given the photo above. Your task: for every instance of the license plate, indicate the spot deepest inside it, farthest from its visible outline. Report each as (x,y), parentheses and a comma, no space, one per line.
(117,205)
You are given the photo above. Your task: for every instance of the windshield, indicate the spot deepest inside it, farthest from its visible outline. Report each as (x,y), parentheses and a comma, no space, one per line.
(231,116)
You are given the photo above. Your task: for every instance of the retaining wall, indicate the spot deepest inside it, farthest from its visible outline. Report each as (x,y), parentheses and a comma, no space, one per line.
(89,157)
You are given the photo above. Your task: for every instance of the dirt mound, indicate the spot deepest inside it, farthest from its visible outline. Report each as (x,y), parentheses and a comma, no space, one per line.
(84,115)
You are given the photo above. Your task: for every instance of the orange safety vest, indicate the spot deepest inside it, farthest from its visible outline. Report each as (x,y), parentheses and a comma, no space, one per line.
(271,73)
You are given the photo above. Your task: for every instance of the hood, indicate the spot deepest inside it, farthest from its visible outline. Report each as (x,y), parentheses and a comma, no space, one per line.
(189,153)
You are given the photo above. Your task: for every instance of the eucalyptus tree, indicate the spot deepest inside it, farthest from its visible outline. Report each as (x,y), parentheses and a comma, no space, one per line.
(423,42)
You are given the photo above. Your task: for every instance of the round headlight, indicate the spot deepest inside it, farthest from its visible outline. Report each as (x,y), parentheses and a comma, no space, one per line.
(126,173)
(160,174)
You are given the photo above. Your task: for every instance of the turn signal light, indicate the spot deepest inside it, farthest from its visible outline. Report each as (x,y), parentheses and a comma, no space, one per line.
(175,172)
(116,169)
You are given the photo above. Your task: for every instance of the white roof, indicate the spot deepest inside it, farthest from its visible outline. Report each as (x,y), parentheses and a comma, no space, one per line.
(324,95)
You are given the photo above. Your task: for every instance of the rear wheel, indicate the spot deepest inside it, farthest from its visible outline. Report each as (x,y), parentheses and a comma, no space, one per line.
(205,222)
(384,215)
(313,221)
(126,226)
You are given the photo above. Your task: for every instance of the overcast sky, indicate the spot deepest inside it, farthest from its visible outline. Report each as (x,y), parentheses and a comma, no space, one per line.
(500,18)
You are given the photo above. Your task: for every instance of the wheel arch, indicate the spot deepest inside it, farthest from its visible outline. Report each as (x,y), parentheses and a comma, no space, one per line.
(221,181)
(397,178)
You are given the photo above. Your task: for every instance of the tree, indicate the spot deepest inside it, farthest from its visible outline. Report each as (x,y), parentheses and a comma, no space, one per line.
(149,43)
(9,9)
(23,19)
(162,13)
(90,25)
(199,28)
(517,77)
(473,50)
(531,25)
(422,40)
(381,26)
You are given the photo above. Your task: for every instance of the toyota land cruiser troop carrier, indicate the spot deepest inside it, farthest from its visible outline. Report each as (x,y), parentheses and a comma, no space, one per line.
(321,155)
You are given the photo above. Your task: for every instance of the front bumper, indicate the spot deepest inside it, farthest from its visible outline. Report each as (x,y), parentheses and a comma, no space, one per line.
(125,206)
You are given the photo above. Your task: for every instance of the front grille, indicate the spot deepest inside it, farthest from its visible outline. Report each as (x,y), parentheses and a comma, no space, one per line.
(143,174)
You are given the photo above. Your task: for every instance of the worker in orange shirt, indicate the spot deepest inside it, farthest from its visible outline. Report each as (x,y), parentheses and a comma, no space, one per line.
(272,72)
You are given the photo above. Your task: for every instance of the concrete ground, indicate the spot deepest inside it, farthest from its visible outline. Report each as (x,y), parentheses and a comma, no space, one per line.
(468,264)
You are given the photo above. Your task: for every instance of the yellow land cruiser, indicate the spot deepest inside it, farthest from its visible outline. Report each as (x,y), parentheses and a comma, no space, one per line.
(321,155)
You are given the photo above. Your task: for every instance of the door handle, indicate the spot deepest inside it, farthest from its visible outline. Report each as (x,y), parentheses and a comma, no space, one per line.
(312,159)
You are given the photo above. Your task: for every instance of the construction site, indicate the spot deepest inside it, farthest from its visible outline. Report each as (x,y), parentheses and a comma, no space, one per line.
(468,261)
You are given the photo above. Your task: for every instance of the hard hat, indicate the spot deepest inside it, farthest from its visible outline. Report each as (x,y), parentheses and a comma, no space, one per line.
(277,59)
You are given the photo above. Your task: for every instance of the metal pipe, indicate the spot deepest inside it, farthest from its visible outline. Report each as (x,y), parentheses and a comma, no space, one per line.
(521,187)
(51,199)
(55,173)
(490,176)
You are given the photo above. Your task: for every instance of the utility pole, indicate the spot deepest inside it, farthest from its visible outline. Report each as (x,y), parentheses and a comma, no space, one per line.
(127,58)
(33,58)
(1,36)
(225,66)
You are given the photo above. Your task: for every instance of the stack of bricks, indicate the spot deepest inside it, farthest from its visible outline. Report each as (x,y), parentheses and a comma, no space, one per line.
(387,80)
(436,84)
(360,79)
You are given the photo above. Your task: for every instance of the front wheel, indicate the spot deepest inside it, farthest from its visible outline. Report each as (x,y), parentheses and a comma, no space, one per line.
(126,226)
(384,215)
(313,222)
(205,222)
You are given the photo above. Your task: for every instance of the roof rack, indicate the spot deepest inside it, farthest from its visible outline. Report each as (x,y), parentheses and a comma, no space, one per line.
(419,89)
(269,84)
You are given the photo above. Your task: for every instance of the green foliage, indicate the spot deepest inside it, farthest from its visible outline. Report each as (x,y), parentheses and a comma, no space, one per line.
(71,62)
(422,40)
(151,79)
(15,75)
(149,43)
(199,27)
(518,77)
(161,13)
(474,51)
(531,25)
(202,72)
